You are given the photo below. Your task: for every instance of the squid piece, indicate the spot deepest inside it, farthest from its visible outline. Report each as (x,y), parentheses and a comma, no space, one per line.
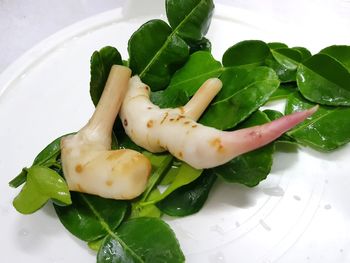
(89,164)
(176,130)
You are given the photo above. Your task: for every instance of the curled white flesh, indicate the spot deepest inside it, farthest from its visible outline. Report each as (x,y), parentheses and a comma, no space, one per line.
(89,164)
(176,130)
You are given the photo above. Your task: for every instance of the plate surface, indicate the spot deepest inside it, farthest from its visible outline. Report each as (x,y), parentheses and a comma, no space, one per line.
(299,214)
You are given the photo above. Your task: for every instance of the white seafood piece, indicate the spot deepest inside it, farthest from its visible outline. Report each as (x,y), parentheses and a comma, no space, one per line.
(176,130)
(89,164)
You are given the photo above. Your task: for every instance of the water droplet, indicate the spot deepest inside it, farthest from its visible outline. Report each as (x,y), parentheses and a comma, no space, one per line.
(264,225)
(23,232)
(327,207)
(218,229)
(217,258)
(23,76)
(296,197)
(274,191)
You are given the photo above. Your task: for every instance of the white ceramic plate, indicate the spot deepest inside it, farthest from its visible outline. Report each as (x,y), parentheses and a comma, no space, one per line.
(299,214)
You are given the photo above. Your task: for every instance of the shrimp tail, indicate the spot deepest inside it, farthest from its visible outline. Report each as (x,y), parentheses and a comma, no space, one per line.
(248,139)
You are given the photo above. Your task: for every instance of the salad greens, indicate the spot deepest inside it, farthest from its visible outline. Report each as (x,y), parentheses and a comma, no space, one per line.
(174,59)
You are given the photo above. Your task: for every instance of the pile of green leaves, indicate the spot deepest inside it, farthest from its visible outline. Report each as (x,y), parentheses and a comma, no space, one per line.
(174,59)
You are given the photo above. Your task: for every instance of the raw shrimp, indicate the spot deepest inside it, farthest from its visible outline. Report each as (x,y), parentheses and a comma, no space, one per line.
(89,164)
(176,130)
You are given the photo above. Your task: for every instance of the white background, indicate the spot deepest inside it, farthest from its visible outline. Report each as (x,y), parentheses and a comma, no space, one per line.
(23,23)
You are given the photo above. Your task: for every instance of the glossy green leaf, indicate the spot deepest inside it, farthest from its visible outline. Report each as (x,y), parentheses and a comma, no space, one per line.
(155,52)
(91,217)
(100,65)
(276,45)
(160,165)
(202,45)
(339,52)
(148,240)
(322,79)
(188,199)
(283,91)
(325,130)
(284,61)
(190,19)
(187,80)
(244,91)
(249,53)
(305,53)
(42,184)
(249,168)
(186,174)
(171,174)
(151,210)
(96,244)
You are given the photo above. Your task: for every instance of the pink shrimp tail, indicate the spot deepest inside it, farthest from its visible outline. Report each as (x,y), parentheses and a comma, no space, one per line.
(248,139)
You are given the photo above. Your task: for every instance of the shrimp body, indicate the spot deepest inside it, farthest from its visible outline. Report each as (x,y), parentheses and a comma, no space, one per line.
(176,130)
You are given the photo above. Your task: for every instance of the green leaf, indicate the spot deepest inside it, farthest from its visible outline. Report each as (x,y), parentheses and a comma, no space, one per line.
(100,65)
(91,217)
(190,19)
(19,179)
(160,165)
(276,45)
(171,174)
(249,168)
(187,80)
(186,174)
(202,45)
(322,79)
(244,91)
(141,240)
(325,130)
(249,53)
(283,91)
(284,61)
(139,210)
(188,199)
(42,184)
(155,50)
(339,52)
(305,53)
(96,244)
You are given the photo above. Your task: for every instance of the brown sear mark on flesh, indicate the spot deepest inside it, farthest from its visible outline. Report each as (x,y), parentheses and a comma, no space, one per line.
(179,117)
(150,124)
(216,143)
(78,168)
(182,110)
(187,122)
(149,108)
(164,118)
(180,155)
(114,155)
(109,182)
(255,134)
(125,122)
(194,126)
